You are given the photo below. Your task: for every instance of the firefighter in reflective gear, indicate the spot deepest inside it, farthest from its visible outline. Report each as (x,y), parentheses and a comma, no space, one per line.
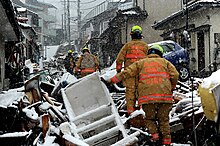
(131,52)
(87,63)
(157,78)
(69,62)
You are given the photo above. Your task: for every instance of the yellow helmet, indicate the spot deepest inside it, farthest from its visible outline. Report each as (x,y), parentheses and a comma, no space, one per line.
(85,49)
(136,29)
(156,49)
(70,51)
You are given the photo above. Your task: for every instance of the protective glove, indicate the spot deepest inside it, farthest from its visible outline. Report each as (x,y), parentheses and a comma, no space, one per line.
(77,70)
(130,110)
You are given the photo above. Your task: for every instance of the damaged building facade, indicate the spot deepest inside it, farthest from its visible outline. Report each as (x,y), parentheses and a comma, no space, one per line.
(20,40)
(40,16)
(196,28)
(106,35)
(9,36)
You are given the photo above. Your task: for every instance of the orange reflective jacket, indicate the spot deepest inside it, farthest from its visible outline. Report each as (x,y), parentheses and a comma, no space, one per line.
(157,78)
(87,63)
(131,52)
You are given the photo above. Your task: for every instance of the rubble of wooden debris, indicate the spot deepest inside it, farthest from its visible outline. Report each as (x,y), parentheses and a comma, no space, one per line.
(70,111)
(81,112)
(32,117)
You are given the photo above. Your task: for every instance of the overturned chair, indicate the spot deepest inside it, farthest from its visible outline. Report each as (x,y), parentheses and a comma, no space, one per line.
(93,115)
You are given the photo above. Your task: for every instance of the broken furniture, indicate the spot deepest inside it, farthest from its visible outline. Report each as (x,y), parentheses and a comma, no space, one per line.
(92,113)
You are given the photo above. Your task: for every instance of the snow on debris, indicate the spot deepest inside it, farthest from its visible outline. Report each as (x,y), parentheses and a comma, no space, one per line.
(213,80)
(10,96)
(31,113)
(14,134)
(21,9)
(49,141)
(24,25)
(130,12)
(65,128)
(45,106)
(137,112)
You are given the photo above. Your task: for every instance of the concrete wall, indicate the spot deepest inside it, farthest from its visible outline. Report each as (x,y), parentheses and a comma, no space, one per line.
(157,10)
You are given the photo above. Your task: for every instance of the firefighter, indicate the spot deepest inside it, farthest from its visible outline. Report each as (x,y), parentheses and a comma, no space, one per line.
(157,79)
(69,62)
(131,52)
(87,63)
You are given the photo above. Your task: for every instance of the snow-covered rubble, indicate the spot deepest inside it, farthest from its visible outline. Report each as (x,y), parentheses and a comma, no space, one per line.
(77,113)
(7,98)
(213,80)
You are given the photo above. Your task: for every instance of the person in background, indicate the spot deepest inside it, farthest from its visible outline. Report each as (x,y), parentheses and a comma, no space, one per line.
(87,63)
(157,79)
(131,52)
(75,55)
(69,62)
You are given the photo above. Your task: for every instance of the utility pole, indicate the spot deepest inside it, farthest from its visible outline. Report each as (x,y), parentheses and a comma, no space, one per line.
(67,33)
(68,23)
(64,20)
(187,16)
(62,26)
(79,20)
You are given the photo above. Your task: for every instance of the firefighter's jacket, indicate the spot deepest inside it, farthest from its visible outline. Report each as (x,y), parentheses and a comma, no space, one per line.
(157,78)
(69,62)
(87,63)
(131,52)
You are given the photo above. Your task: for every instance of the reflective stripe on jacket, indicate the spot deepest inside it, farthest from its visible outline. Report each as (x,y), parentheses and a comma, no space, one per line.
(154,74)
(155,97)
(88,70)
(157,78)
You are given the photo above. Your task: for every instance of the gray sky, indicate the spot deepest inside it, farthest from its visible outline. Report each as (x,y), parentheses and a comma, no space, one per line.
(73,8)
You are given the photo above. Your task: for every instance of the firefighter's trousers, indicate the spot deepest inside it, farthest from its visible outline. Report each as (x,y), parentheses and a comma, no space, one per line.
(157,120)
(131,93)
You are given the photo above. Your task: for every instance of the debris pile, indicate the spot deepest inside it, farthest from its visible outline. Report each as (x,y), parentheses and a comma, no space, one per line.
(70,111)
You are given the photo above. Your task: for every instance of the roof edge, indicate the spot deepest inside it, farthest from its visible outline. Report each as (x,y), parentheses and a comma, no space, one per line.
(195,6)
